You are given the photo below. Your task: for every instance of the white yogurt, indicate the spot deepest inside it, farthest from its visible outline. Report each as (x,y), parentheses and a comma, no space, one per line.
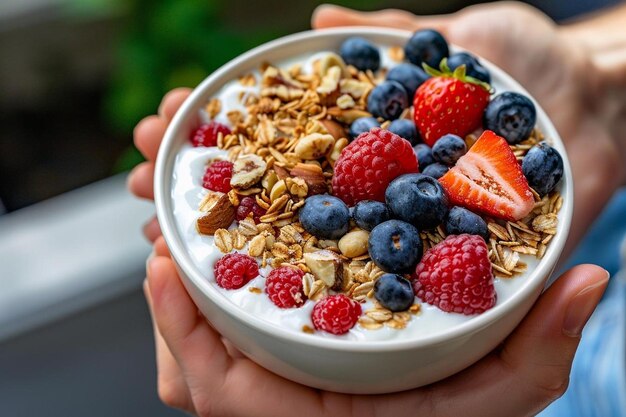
(187,193)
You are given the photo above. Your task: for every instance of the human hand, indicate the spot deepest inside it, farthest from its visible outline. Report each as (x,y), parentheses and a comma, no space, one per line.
(203,374)
(554,66)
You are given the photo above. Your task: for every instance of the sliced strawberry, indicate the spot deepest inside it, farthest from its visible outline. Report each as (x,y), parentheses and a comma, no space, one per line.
(488,178)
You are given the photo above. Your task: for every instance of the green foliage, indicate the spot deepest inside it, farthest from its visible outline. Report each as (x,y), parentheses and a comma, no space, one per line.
(174,43)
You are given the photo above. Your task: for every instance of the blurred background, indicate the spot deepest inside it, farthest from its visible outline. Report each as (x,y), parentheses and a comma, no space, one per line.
(75,77)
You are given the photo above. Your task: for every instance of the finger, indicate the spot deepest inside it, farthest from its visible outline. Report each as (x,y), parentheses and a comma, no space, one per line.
(172,102)
(535,360)
(328,15)
(160,247)
(140,180)
(195,345)
(148,135)
(171,384)
(152,230)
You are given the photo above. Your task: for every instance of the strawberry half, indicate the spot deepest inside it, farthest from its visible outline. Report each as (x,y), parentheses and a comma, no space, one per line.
(449,102)
(488,178)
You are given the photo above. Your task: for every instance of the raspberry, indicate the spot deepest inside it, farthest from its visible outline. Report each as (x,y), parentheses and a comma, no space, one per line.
(206,134)
(367,165)
(234,270)
(249,205)
(217,176)
(284,287)
(335,314)
(455,275)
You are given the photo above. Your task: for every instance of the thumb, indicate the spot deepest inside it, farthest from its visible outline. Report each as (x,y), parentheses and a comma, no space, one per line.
(541,350)
(327,15)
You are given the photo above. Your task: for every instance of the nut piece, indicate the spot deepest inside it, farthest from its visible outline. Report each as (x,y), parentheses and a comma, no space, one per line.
(354,243)
(332,60)
(326,266)
(330,81)
(312,176)
(314,146)
(218,216)
(333,128)
(247,171)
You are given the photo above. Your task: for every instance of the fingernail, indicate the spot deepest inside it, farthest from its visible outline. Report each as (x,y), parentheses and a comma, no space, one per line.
(582,306)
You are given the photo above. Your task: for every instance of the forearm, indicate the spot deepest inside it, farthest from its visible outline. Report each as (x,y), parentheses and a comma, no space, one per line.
(599,161)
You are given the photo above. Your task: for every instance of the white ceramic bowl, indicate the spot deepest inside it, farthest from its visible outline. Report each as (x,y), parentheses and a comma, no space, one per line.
(336,364)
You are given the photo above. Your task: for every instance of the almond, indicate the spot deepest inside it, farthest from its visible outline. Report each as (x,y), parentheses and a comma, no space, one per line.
(218,216)
(333,128)
(312,176)
(247,171)
(327,266)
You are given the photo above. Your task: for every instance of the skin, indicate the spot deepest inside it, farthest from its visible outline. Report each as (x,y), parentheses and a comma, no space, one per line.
(201,373)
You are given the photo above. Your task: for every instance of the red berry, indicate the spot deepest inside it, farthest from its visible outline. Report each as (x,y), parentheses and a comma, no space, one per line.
(234,270)
(446,104)
(455,275)
(217,176)
(284,287)
(336,314)
(489,179)
(249,205)
(206,134)
(367,165)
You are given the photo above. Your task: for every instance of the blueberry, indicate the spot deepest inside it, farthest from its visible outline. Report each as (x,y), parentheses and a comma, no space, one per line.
(460,220)
(394,292)
(510,115)
(448,149)
(325,216)
(424,155)
(368,214)
(543,168)
(360,53)
(409,75)
(406,129)
(417,199)
(436,170)
(387,100)
(361,125)
(395,246)
(427,46)
(473,68)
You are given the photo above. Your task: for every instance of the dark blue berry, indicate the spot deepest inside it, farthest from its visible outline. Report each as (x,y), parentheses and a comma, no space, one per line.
(427,46)
(409,75)
(368,214)
(510,115)
(325,216)
(387,100)
(424,155)
(436,170)
(448,149)
(406,129)
(362,125)
(394,292)
(360,53)
(543,168)
(460,220)
(473,68)
(417,199)
(395,246)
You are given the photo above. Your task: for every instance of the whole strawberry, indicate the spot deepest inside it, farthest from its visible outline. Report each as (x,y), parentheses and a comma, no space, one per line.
(455,275)
(366,166)
(449,102)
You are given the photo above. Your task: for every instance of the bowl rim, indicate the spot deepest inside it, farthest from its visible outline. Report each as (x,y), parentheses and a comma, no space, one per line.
(162,189)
